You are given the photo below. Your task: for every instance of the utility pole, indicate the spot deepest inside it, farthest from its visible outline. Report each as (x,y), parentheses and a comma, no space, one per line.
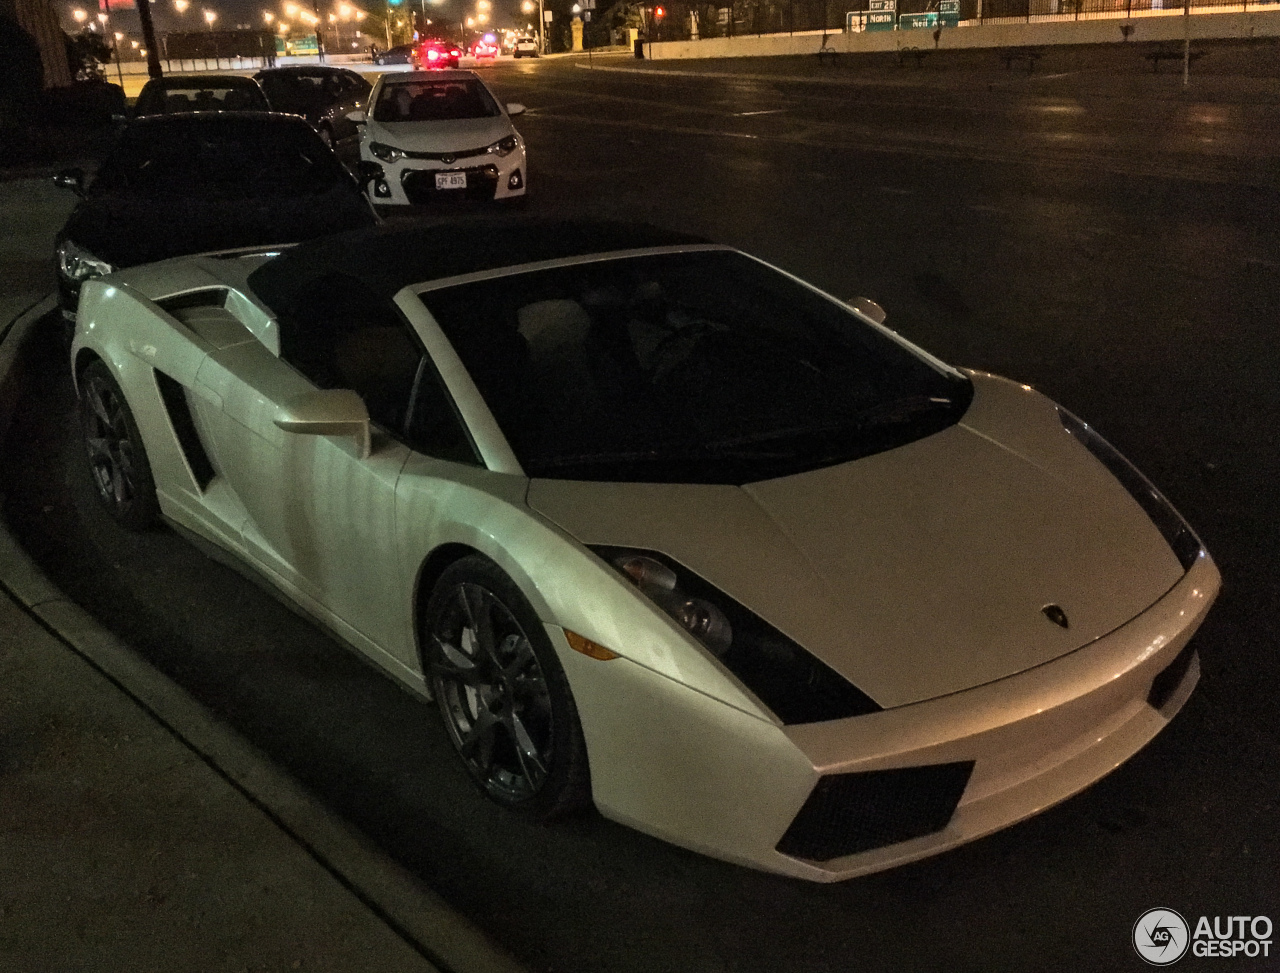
(1186,43)
(149,39)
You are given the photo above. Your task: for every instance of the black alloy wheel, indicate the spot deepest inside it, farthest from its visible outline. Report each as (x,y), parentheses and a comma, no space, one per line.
(502,693)
(117,459)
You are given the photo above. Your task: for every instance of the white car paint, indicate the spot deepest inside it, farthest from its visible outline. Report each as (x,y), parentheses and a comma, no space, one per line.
(455,145)
(678,747)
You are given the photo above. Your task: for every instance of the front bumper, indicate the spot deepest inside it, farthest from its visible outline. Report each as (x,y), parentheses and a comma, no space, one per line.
(695,772)
(411,182)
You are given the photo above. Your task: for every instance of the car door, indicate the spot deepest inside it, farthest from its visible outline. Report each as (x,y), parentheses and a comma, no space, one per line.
(321,516)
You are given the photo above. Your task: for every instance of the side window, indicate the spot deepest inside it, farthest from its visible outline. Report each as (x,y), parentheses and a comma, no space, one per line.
(434,426)
(357,87)
(341,335)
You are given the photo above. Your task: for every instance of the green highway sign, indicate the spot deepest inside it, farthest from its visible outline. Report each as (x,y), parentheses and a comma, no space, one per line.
(917,21)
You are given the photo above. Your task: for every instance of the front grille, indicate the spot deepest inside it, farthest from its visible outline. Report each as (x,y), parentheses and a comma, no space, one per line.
(420,185)
(446,157)
(850,813)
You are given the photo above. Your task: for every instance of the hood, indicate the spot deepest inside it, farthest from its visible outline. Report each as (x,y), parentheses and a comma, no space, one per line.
(458,135)
(917,572)
(129,230)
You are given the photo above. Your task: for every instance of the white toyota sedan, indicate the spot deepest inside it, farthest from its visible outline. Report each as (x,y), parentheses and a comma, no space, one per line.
(441,135)
(659,527)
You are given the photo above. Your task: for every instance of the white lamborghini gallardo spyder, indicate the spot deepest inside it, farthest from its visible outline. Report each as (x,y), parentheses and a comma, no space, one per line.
(659,527)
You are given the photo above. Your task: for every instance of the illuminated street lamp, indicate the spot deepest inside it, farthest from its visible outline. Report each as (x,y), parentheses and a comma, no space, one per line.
(181,5)
(209,17)
(79,16)
(268,16)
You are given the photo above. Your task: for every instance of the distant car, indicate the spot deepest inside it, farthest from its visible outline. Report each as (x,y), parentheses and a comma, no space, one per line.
(662,528)
(433,55)
(441,135)
(396,55)
(483,49)
(525,47)
(180,184)
(322,95)
(174,94)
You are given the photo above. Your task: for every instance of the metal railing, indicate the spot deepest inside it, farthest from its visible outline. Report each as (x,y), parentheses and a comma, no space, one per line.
(738,18)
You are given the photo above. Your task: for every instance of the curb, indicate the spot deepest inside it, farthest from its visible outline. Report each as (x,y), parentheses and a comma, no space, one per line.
(416,914)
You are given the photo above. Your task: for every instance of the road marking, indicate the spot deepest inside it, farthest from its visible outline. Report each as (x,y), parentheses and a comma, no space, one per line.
(766,111)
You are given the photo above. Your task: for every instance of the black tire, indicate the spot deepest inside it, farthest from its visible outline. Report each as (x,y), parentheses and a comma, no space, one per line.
(502,693)
(117,458)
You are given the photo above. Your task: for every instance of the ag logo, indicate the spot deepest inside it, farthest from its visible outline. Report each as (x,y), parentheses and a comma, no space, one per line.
(1161,936)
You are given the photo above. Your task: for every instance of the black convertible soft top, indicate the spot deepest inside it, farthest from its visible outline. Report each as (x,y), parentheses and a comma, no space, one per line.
(382,260)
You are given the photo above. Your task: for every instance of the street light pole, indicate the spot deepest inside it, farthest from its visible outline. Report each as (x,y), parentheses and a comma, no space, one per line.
(149,39)
(542,27)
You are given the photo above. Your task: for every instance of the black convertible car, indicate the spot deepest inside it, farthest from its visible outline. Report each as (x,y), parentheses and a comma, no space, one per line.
(181,184)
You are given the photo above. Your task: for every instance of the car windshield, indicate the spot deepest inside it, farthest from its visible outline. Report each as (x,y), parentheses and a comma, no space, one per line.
(434,101)
(703,367)
(208,94)
(297,91)
(219,159)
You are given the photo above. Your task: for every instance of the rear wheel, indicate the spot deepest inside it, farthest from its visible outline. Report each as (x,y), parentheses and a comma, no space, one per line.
(503,695)
(117,459)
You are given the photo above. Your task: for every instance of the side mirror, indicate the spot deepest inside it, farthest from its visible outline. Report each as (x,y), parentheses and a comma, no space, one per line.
(368,171)
(72,179)
(515,108)
(328,412)
(357,116)
(868,307)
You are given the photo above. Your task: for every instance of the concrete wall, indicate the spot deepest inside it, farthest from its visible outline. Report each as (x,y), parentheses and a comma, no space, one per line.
(1152,26)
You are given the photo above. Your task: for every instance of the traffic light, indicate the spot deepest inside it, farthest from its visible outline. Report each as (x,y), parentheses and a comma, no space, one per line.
(659,12)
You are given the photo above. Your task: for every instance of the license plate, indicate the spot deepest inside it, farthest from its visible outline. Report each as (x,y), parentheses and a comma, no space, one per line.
(451,180)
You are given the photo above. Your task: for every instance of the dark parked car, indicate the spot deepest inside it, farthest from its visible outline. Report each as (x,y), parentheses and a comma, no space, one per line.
(205,92)
(396,55)
(322,95)
(182,184)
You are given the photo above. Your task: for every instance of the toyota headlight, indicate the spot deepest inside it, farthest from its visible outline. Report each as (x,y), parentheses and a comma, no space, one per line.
(76,263)
(504,147)
(792,682)
(387,153)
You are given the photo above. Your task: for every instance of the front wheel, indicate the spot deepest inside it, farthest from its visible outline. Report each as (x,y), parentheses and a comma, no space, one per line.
(504,697)
(117,459)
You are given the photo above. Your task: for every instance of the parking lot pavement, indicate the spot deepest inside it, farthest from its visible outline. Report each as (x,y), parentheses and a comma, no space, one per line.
(138,832)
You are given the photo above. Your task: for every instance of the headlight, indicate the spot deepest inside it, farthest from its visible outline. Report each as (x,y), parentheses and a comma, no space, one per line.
(1176,531)
(504,147)
(795,685)
(387,153)
(75,263)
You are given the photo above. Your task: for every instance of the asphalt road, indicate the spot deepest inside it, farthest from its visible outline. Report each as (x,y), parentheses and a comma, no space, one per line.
(1090,230)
